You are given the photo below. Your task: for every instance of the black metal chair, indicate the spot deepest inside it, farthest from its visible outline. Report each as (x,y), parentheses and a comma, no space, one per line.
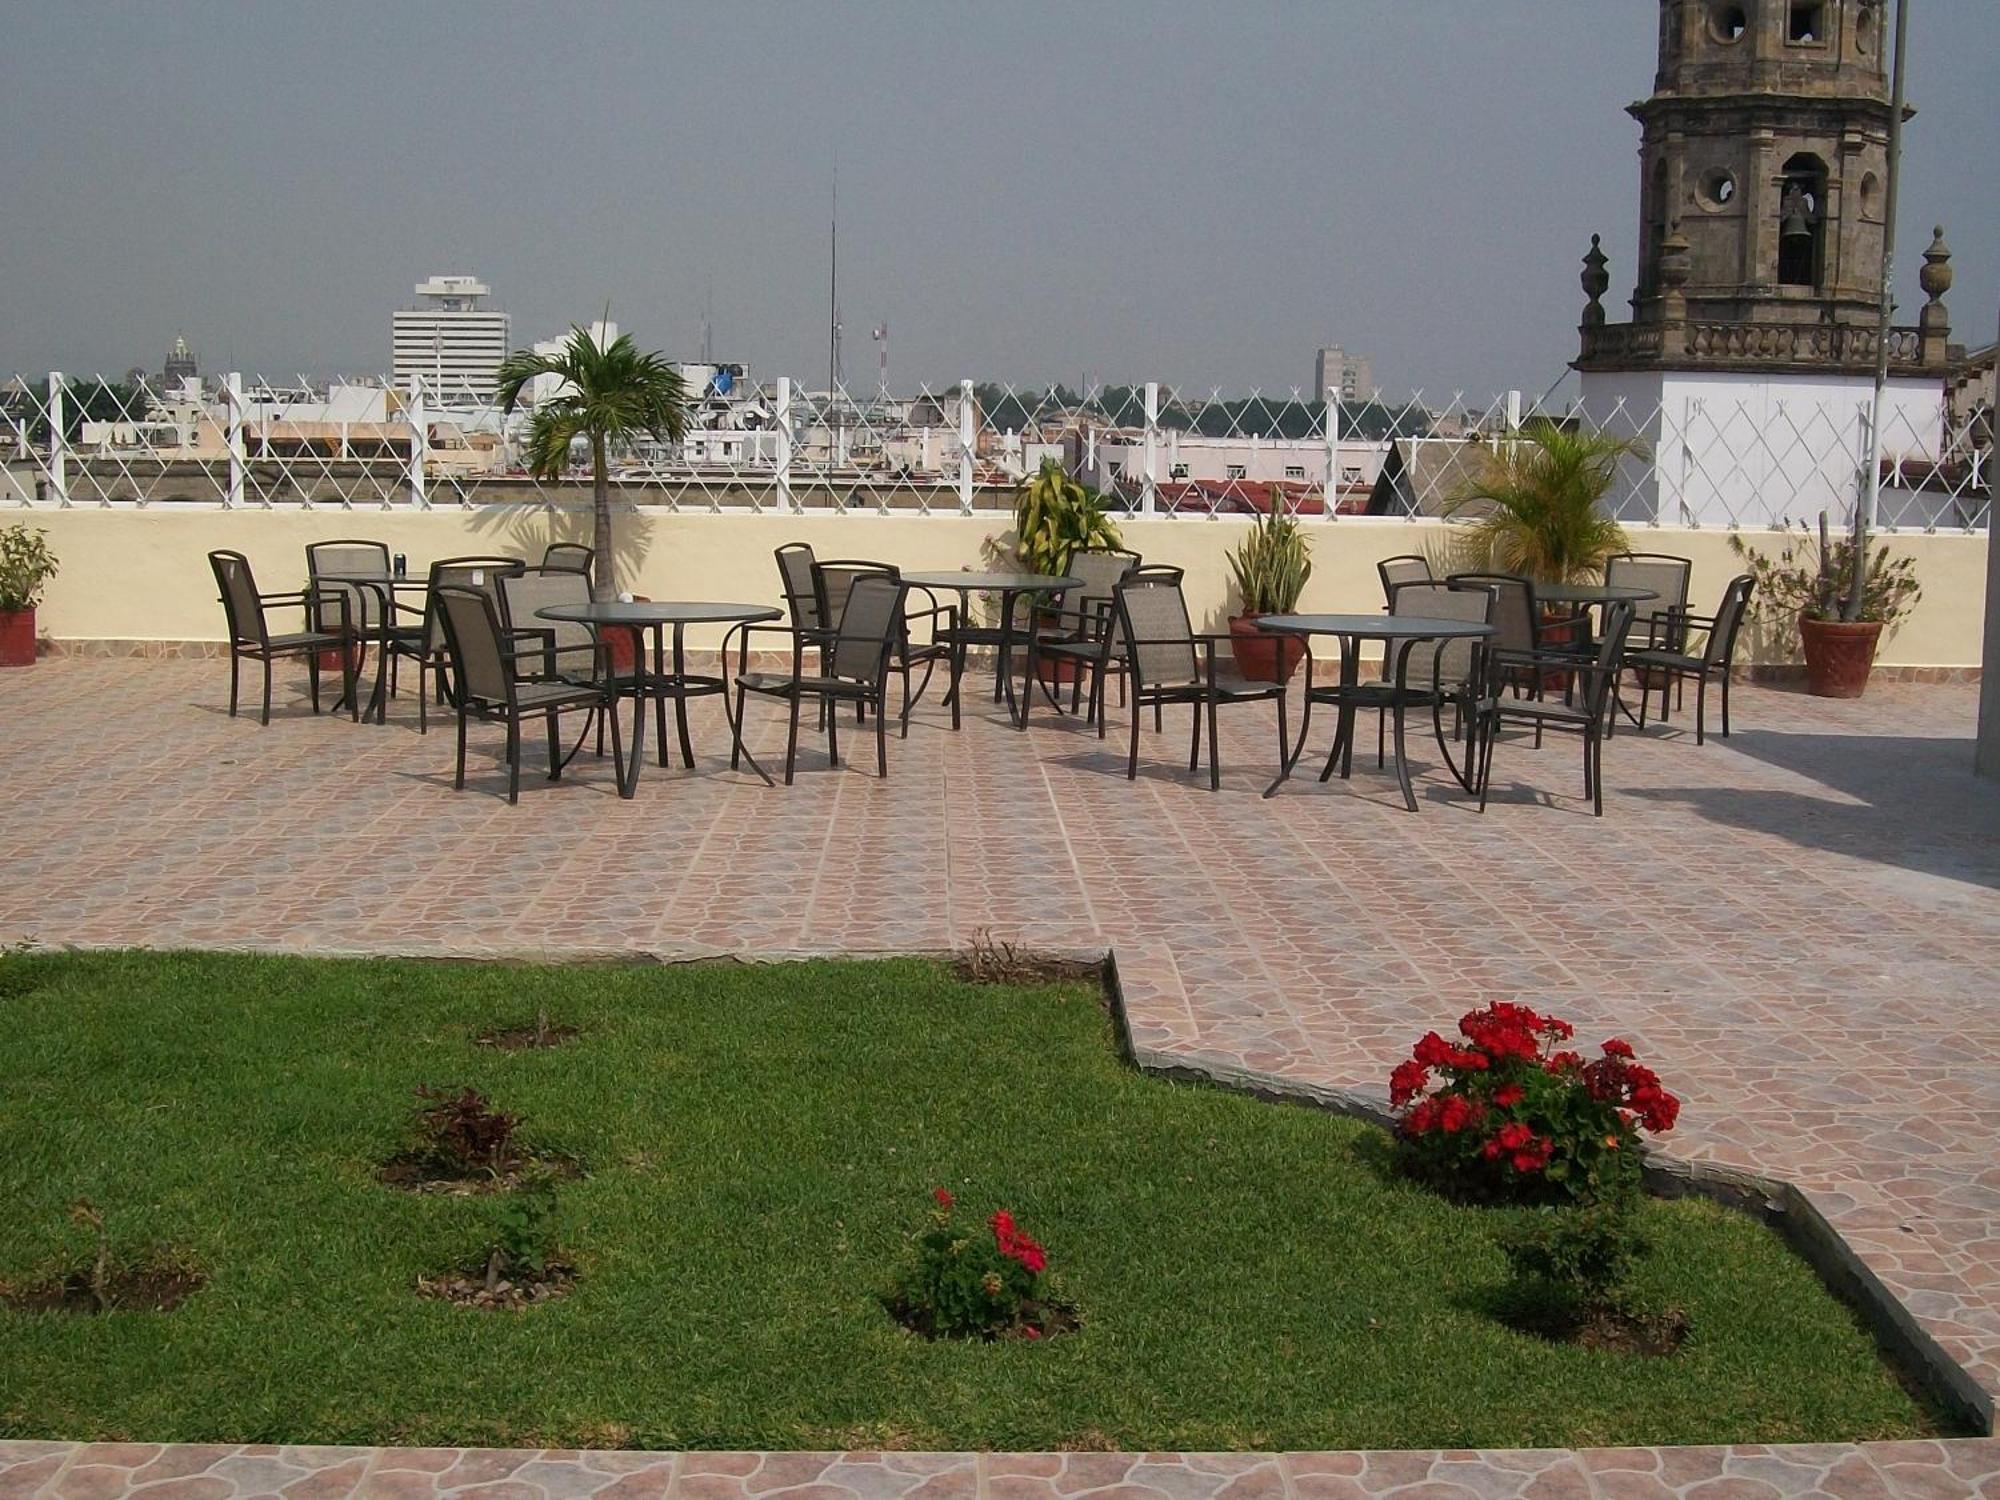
(1433,675)
(486,683)
(1077,633)
(1718,656)
(1585,712)
(816,596)
(855,667)
(569,557)
(1409,567)
(1656,621)
(250,632)
(1170,662)
(426,645)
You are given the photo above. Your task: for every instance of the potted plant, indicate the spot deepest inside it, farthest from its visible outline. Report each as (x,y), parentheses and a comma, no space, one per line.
(1807,581)
(1271,567)
(26,566)
(1540,490)
(605,394)
(1055,516)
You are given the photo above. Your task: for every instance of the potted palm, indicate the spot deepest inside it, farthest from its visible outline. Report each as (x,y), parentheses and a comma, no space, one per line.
(1270,567)
(1537,502)
(606,394)
(26,566)
(1807,580)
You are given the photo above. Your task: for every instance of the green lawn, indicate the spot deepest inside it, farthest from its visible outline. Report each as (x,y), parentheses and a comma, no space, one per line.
(759,1141)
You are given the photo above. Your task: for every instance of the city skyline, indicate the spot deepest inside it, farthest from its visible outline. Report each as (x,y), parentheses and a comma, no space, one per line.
(1031,196)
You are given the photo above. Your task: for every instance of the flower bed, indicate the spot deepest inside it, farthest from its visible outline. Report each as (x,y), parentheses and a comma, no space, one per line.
(1509,1113)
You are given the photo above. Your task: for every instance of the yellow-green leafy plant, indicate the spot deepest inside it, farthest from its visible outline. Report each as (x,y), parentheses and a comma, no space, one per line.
(1055,516)
(1271,564)
(1537,500)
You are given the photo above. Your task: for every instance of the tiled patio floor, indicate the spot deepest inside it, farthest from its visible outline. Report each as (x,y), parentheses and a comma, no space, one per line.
(1799,927)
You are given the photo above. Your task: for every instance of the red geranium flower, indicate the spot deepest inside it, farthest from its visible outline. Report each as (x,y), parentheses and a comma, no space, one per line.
(944,1198)
(1508,1095)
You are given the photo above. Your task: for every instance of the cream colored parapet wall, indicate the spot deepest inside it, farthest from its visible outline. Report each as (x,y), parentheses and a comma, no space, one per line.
(132,575)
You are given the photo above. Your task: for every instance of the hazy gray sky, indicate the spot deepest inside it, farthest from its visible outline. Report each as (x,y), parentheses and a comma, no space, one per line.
(1198,193)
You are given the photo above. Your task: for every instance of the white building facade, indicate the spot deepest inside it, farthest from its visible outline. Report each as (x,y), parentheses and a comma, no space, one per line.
(452,343)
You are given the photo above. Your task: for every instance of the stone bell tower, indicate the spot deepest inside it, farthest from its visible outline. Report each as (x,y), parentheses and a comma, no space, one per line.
(1763,172)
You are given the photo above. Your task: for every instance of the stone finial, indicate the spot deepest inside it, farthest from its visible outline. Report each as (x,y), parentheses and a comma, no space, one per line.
(1934,322)
(1596,282)
(1935,278)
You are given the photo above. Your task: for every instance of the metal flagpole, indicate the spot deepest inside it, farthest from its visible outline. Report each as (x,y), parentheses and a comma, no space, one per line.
(1871,493)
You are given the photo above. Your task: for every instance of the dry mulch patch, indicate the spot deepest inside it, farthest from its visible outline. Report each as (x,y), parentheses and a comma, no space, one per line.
(154,1286)
(1039,1320)
(415,1173)
(1651,1334)
(505,1292)
(528,1038)
(986,961)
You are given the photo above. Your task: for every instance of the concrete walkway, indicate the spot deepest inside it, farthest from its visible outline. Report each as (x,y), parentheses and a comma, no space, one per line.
(1797,927)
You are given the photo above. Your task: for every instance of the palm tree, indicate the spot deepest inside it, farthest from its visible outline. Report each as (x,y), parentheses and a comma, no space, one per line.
(609,393)
(1543,487)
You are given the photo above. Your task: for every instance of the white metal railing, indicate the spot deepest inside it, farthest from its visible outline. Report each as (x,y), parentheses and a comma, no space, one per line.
(1738,458)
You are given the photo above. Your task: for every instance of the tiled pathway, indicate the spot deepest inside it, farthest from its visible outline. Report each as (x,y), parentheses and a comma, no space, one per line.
(1799,927)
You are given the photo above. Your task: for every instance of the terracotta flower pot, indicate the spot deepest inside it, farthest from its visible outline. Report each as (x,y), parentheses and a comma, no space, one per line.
(17,637)
(1839,655)
(1262,656)
(622,642)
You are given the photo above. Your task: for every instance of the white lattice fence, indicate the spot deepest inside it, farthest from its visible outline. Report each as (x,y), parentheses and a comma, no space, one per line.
(1742,460)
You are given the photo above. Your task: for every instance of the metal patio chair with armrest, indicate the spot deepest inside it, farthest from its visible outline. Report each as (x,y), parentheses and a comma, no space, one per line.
(1519,625)
(1170,662)
(1718,655)
(426,645)
(569,557)
(1431,675)
(569,647)
(1586,716)
(1078,628)
(1409,567)
(855,667)
(244,608)
(833,584)
(359,568)
(1655,621)
(486,683)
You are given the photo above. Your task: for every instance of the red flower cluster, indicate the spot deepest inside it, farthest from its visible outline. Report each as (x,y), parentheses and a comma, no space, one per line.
(944,1198)
(1016,1244)
(1615,1079)
(1503,1100)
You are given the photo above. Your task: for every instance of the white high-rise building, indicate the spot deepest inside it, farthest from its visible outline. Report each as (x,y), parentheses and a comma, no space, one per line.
(449,342)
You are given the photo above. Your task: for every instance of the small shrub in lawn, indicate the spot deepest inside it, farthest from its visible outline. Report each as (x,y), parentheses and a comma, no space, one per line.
(523,1263)
(1505,1113)
(964,1283)
(1570,1276)
(462,1143)
(156,1282)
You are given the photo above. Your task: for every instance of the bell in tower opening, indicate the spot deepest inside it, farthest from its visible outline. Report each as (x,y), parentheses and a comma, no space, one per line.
(1799,221)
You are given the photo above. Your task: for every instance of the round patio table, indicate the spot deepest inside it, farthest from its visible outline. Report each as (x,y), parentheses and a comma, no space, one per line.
(661,682)
(1010,587)
(1399,634)
(1591,593)
(384,590)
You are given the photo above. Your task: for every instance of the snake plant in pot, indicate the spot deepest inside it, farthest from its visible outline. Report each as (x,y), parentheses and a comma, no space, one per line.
(1270,567)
